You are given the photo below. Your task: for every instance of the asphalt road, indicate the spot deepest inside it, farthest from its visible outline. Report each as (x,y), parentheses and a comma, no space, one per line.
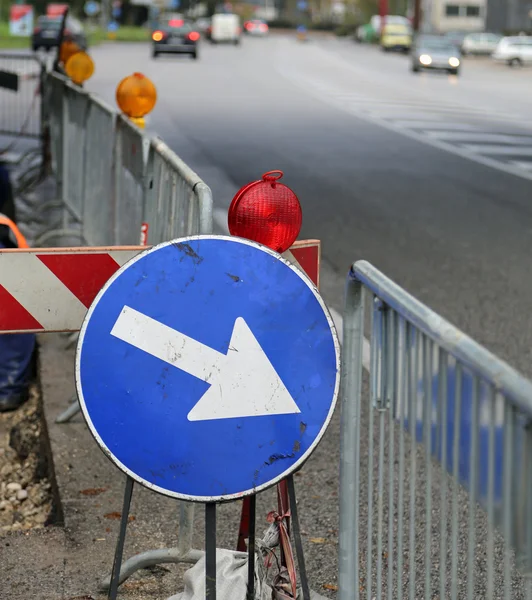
(427,176)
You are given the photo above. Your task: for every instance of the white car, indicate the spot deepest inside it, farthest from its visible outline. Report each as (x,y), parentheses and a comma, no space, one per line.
(480,43)
(514,51)
(225,27)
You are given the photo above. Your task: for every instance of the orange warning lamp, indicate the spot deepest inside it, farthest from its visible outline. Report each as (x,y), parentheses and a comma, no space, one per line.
(68,49)
(267,212)
(136,96)
(79,67)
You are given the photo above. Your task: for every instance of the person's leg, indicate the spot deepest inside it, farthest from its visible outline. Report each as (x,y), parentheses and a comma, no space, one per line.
(17,365)
(17,351)
(7,202)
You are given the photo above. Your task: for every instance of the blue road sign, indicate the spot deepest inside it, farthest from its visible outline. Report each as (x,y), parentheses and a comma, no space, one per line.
(174,4)
(116,12)
(91,8)
(112,26)
(207,368)
(302,5)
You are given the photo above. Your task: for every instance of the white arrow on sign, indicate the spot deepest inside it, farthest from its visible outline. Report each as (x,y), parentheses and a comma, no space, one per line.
(243,381)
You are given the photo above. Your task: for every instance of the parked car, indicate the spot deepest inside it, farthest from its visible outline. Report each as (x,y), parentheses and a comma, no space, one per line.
(46,33)
(225,27)
(256,27)
(435,52)
(514,51)
(175,36)
(396,37)
(480,43)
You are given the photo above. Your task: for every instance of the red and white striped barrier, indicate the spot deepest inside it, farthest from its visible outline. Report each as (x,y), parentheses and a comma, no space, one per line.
(50,289)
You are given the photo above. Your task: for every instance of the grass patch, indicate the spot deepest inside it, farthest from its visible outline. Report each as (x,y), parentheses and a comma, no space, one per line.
(96,36)
(124,34)
(7,41)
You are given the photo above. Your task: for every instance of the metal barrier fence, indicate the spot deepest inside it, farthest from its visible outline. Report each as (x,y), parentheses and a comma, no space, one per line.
(21,76)
(436,477)
(113,178)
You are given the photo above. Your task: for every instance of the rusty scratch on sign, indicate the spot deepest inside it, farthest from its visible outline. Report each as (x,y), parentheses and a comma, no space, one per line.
(189,251)
(275,457)
(235,278)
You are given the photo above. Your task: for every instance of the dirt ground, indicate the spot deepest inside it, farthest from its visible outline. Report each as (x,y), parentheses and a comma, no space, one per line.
(25,492)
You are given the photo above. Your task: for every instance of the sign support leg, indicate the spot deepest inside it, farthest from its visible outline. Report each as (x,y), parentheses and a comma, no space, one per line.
(283,506)
(243,532)
(68,413)
(297,538)
(210,551)
(115,576)
(251,547)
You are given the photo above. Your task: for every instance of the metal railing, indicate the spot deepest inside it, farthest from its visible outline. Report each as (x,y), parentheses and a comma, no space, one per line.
(436,478)
(113,178)
(21,76)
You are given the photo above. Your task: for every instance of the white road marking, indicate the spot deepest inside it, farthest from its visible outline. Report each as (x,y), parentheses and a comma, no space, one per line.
(405,127)
(497,150)
(522,164)
(479,136)
(417,124)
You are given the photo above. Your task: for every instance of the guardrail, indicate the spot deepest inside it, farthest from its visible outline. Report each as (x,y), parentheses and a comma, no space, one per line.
(21,76)
(113,179)
(447,429)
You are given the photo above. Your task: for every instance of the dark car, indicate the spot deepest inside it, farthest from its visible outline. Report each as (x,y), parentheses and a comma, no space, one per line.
(435,52)
(175,36)
(46,33)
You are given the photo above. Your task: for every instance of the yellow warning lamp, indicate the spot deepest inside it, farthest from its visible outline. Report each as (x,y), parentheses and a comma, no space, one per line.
(68,49)
(136,96)
(79,67)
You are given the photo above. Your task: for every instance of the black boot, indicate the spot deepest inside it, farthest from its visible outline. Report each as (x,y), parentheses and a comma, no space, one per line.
(9,403)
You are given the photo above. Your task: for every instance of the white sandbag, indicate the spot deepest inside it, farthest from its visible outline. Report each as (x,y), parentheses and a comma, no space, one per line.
(231,578)
(232,575)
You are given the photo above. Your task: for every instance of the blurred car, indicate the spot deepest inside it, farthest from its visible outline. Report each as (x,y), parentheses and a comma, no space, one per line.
(514,51)
(396,37)
(175,36)
(256,27)
(435,52)
(225,27)
(480,43)
(46,33)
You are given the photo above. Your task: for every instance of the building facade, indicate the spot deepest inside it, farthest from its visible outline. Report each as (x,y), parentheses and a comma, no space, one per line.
(509,16)
(441,16)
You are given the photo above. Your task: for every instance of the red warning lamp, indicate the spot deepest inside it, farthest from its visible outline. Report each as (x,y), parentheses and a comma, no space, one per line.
(267,212)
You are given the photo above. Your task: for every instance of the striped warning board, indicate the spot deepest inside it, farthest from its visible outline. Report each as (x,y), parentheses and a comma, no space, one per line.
(51,289)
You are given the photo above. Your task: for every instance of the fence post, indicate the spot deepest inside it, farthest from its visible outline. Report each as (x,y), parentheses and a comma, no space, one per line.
(353,336)
(204,197)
